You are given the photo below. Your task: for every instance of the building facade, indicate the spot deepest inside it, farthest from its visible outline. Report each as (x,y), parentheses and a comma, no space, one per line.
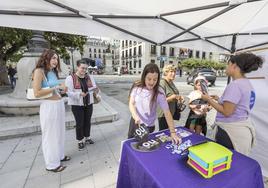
(135,55)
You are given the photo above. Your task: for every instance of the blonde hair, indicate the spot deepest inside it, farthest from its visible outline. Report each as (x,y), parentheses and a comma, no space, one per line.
(168,68)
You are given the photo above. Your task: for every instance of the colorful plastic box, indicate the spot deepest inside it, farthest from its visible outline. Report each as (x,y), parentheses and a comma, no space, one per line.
(209,158)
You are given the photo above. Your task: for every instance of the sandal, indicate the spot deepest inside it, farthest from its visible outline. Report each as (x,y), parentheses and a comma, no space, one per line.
(58,169)
(66,158)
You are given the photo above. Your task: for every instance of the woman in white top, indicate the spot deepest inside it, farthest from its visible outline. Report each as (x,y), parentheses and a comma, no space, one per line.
(81,88)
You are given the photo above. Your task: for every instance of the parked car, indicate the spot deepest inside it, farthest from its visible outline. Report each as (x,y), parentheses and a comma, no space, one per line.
(209,74)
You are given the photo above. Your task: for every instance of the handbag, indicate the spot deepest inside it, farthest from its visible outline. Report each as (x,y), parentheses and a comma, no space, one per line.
(30,92)
(96,98)
(179,105)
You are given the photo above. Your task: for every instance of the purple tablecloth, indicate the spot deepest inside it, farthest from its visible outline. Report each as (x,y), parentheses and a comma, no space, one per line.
(163,169)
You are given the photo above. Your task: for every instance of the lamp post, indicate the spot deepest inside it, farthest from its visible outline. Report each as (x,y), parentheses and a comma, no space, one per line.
(72,50)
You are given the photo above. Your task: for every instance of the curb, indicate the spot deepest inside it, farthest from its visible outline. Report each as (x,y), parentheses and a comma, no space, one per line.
(108,114)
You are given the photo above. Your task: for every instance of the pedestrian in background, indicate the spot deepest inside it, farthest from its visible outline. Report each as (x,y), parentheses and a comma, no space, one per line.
(81,88)
(144,97)
(234,128)
(11,73)
(52,110)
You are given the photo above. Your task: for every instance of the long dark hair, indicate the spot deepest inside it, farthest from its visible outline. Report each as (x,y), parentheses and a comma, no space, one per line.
(247,62)
(44,62)
(149,68)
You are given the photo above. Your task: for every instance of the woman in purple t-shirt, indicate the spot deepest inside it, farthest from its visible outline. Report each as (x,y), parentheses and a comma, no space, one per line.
(144,97)
(234,129)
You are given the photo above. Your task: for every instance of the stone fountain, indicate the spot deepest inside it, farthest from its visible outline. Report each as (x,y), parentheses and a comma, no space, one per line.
(16,102)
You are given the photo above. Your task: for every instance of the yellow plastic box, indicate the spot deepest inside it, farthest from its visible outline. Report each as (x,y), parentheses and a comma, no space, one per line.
(209,158)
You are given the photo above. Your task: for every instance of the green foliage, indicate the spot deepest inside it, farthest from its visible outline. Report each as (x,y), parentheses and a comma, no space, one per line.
(12,40)
(193,63)
(61,42)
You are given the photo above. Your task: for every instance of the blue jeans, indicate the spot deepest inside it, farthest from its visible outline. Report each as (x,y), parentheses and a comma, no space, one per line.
(12,82)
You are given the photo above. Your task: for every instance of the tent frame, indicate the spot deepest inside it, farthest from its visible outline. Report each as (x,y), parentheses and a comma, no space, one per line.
(98,18)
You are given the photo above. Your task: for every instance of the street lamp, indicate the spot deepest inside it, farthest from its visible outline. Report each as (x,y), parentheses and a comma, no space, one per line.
(71,49)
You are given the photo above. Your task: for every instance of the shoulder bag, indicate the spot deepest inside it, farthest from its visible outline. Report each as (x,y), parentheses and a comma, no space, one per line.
(30,92)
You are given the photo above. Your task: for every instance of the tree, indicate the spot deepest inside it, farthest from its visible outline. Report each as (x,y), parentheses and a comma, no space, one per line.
(193,63)
(12,40)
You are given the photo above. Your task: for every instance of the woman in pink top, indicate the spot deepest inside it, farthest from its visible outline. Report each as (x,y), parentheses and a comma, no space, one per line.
(144,97)
(234,129)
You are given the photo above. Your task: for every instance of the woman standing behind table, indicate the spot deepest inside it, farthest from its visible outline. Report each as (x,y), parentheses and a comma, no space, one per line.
(144,97)
(234,129)
(81,89)
(172,95)
(52,110)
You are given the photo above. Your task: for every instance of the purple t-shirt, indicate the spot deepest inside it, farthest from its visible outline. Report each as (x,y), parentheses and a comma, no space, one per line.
(241,93)
(142,98)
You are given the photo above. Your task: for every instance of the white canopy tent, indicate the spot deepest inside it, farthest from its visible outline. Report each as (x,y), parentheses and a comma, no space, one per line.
(208,24)
(213,25)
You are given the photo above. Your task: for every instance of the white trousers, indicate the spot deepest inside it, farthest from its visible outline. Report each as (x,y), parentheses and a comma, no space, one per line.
(52,118)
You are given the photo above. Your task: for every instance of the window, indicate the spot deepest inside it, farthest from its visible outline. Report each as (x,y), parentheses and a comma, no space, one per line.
(99,56)
(130,65)
(122,43)
(139,63)
(130,43)
(95,50)
(183,53)
(123,54)
(139,51)
(190,53)
(135,62)
(163,50)
(126,43)
(130,52)
(89,49)
(153,49)
(203,55)
(134,53)
(170,62)
(103,51)
(152,61)
(171,52)
(197,54)
(112,51)
(99,51)
(90,55)
(126,54)
(95,56)
(210,55)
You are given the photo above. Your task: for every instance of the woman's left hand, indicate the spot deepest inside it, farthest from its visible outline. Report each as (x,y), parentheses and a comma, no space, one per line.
(175,138)
(180,99)
(205,97)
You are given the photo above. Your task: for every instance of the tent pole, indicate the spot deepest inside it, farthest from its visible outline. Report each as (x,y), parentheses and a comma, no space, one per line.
(202,22)
(253,46)
(98,20)
(124,31)
(216,5)
(187,40)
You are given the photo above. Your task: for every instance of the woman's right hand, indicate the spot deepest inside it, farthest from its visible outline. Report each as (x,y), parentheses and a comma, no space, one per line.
(215,97)
(137,120)
(83,94)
